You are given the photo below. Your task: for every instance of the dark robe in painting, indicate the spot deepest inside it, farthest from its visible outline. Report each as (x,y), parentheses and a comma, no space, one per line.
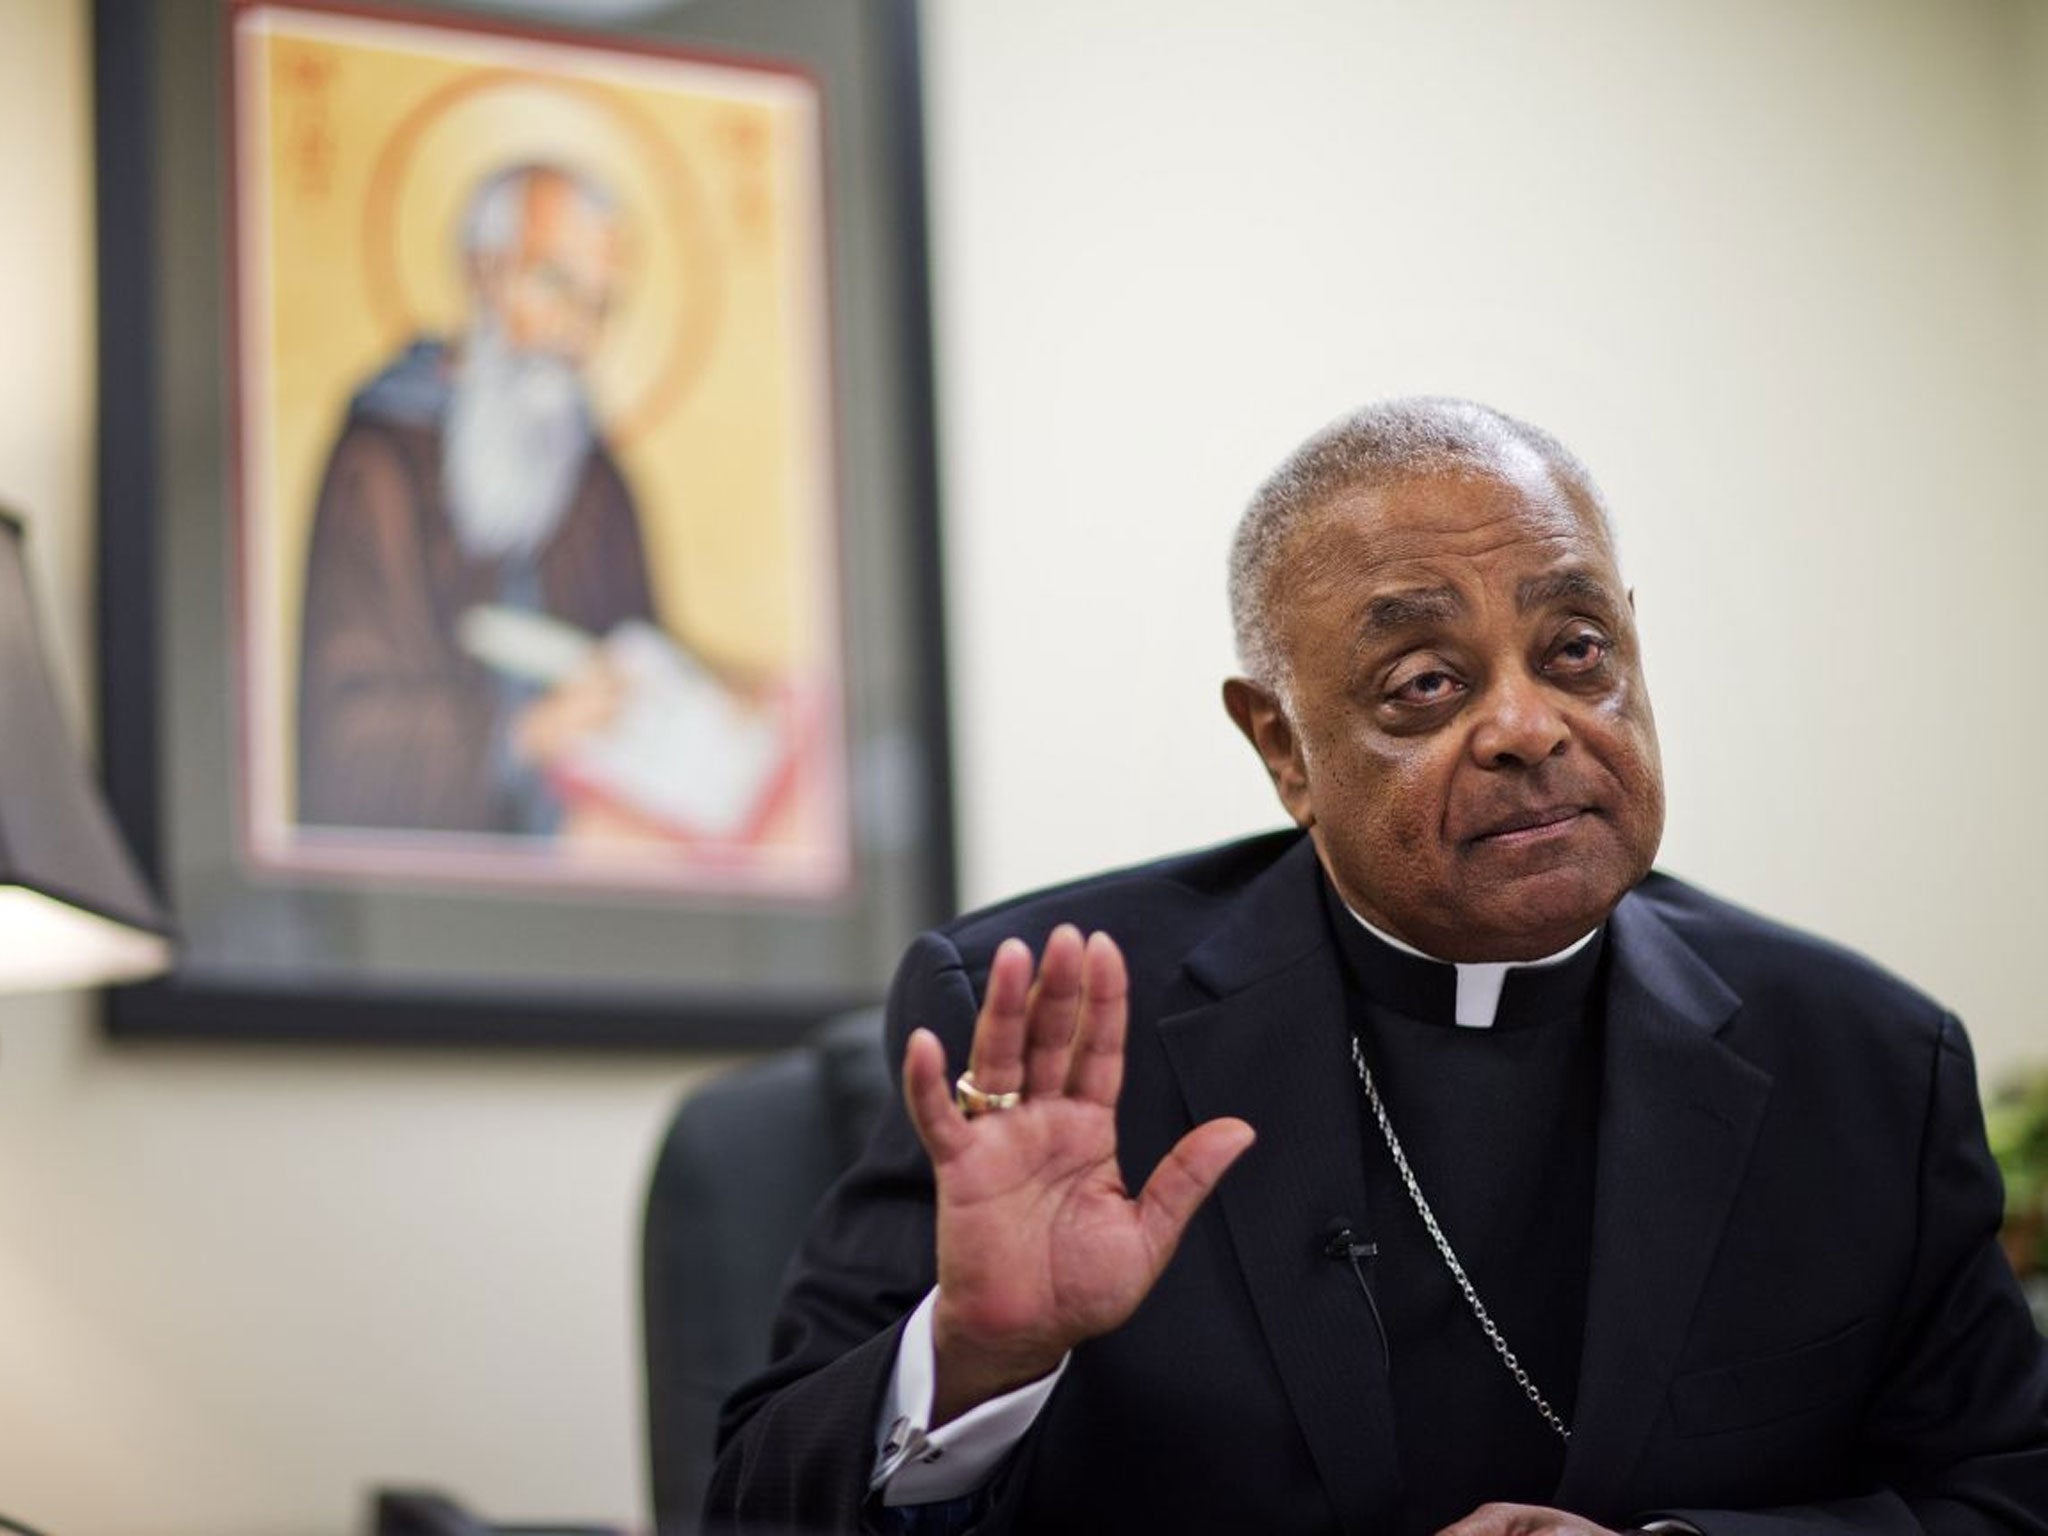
(398,726)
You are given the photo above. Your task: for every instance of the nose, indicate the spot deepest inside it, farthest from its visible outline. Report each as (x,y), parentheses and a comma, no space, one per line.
(1518,724)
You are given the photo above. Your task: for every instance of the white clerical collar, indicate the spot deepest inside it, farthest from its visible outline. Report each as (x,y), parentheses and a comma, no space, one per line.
(1479,983)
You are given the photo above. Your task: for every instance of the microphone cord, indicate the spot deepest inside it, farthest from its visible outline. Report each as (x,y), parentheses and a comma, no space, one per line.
(1343,1244)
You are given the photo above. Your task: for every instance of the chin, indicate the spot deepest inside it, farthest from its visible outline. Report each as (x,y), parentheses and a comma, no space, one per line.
(1540,916)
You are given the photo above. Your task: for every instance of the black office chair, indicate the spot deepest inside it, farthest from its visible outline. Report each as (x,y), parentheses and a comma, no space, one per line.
(742,1167)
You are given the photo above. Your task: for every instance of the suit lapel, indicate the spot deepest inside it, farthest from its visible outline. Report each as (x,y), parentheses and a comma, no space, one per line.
(1273,1050)
(1679,1113)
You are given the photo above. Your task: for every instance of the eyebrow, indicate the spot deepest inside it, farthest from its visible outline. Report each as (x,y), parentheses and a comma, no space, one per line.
(1575,587)
(1392,611)
(1416,607)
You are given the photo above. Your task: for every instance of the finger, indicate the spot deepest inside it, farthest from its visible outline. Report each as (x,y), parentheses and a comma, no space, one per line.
(1097,1073)
(1054,1009)
(997,1055)
(1486,1520)
(1183,1180)
(929,1098)
(1522,1520)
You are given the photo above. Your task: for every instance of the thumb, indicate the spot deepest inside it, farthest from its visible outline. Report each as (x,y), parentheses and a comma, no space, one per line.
(1183,1180)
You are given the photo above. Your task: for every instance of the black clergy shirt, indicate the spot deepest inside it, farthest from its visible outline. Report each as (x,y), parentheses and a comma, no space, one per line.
(1499,1126)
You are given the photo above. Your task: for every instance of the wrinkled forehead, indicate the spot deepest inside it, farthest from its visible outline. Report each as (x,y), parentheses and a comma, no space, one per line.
(1513,507)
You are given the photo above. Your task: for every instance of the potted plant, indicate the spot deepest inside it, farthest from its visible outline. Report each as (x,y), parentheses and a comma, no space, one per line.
(2016,1120)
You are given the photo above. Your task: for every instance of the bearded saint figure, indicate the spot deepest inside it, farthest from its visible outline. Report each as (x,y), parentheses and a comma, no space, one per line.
(472,475)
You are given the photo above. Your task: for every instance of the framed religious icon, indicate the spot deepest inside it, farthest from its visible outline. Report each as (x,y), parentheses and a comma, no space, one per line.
(519,584)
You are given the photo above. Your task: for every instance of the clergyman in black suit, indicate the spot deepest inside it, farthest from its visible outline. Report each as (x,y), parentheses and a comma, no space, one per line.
(1561,1196)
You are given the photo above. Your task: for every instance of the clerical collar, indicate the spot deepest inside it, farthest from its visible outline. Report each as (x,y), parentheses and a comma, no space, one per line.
(1468,995)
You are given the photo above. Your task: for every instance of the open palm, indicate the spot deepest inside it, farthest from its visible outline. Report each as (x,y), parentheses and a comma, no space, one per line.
(1040,1245)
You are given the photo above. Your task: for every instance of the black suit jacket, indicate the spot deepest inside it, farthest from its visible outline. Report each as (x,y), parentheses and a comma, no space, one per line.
(1798,1319)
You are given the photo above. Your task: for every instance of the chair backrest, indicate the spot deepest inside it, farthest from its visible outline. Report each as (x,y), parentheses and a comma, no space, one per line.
(745,1161)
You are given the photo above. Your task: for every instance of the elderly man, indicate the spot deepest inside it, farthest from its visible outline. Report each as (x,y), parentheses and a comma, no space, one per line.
(466,477)
(1560,1197)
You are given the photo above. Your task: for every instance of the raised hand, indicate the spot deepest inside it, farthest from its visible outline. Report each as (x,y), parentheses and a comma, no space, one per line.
(1040,1245)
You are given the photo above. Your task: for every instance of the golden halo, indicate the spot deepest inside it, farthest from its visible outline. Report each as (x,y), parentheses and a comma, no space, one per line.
(670,292)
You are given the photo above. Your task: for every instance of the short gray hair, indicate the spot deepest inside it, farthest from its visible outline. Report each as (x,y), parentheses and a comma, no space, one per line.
(496,213)
(1378,445)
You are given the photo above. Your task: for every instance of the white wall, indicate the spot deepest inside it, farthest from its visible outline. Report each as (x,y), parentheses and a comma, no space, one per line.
(1767,266)
(1777,270)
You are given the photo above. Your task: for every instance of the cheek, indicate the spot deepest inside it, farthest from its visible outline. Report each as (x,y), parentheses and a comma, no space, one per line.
(1619,731)
(1414,806)
(536,316)
(1627,749)
(1388,796)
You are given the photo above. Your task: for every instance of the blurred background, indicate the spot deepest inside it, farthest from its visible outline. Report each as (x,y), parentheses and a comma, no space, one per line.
(1776,270)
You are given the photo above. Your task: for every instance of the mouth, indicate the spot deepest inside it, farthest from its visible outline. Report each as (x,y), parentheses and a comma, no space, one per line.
(1532,826)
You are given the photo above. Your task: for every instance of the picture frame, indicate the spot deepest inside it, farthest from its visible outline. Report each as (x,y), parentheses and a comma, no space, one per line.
(305,256)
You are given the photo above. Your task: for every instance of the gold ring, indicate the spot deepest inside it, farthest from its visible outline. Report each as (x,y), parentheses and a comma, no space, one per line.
(974,1100)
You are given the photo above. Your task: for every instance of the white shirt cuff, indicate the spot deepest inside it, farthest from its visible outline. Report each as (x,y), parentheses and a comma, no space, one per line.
(915,1464)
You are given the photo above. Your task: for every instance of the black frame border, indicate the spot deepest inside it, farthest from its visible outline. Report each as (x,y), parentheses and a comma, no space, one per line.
(126,593)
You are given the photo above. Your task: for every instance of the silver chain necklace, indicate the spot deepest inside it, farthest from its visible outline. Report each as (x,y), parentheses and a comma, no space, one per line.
(1443,1246)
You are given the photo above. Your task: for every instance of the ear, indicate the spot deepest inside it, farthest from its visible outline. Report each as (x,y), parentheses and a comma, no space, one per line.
(1257,713)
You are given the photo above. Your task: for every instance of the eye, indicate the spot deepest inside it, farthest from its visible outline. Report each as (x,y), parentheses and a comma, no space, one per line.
(1581,650)
(1424,685)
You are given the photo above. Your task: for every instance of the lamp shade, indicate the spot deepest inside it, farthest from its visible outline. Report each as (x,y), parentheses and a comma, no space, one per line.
(74,909)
